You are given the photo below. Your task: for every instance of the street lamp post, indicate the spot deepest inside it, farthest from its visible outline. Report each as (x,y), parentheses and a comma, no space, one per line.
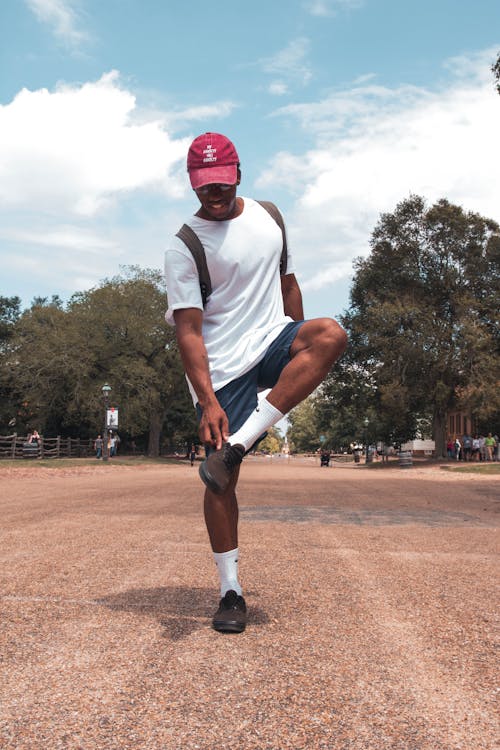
(367,422)
(106,390)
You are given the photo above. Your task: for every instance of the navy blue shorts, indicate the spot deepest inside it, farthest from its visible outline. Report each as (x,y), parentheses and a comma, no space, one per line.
(239,397)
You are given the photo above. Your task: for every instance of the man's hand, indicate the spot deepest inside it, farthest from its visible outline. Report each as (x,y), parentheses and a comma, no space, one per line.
(214,425)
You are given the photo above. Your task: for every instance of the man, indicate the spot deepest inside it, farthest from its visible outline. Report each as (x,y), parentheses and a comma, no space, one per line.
(489,444)
(467,446)
(251,335)
(98,447)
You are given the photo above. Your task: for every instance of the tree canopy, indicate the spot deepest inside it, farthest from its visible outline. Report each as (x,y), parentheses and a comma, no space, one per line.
(60,356)
(422,323)
(272,442)
(10,310)
(496,70)
(303,432)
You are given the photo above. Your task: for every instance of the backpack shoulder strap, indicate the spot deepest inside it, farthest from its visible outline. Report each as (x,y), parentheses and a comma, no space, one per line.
(274,211)
(193,243)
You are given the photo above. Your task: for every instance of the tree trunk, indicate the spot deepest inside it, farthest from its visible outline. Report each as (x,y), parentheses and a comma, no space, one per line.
(155,424)
(440,434)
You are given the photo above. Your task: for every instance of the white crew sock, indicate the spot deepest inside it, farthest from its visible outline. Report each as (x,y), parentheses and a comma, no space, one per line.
(264,416)
(227,565)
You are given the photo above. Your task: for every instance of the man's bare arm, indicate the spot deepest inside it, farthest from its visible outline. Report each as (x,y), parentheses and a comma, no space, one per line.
(214,427)
(292,297)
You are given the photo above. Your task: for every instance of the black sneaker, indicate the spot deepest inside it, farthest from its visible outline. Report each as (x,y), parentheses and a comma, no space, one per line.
(231,617)
(216,470)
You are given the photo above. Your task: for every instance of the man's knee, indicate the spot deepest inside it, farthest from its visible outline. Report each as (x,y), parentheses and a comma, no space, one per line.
(334,334)
(335,338)
(325,335)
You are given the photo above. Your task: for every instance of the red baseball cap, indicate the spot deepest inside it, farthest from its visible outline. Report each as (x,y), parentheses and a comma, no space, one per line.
(212,158)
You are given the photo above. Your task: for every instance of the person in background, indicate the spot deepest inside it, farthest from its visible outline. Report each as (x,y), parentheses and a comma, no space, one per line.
(192,454)
(482,448)
(98,446)
(450,448)
(475,448)
(466,447)
(489,444)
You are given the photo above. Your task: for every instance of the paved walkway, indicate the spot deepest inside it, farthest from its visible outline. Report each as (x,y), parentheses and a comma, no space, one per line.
(371,597)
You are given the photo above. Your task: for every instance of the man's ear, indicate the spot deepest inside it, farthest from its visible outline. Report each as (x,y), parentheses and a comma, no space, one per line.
(238,176)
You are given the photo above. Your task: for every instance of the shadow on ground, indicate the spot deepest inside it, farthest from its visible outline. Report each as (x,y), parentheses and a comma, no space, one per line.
(361,517)
(180,610)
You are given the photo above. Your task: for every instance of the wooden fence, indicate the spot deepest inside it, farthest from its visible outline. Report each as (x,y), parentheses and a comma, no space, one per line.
(16,446)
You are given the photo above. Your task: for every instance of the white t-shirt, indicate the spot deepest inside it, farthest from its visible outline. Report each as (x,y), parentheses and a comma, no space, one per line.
(244,312)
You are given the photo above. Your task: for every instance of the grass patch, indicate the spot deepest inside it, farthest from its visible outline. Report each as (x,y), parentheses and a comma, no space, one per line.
(66,463)
(488,469)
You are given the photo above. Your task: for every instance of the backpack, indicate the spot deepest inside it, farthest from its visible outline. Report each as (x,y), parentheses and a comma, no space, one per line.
(193,243)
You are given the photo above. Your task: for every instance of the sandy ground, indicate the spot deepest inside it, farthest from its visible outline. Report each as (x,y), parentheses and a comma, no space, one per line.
(372,606)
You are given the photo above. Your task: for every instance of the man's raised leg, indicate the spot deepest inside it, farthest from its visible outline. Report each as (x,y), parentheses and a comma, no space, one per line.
(317,346)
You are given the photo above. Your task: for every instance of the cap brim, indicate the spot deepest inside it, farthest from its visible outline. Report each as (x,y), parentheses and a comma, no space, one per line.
(227,175)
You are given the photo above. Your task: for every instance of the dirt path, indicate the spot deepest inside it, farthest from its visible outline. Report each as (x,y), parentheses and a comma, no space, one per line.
(372,601)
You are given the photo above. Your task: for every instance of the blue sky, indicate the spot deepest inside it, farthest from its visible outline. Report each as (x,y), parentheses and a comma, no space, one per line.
(339,110)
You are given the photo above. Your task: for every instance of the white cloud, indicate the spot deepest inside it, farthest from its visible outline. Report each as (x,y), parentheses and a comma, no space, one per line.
(67,237)
(203,113)
(325,8)
(74,150)
(289,63)
(62,17)
(89,178)
(374,147)
(278,88)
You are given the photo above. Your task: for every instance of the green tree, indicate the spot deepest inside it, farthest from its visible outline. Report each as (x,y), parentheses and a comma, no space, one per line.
(272,442)
(116,333)
(496,70)
(303,433)
(38,366)
(130,345)
(54,301)
(10,310)
(343,402)
(423,322)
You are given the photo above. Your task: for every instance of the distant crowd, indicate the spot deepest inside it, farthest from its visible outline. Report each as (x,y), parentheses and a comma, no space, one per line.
(113,444)
(477,448)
